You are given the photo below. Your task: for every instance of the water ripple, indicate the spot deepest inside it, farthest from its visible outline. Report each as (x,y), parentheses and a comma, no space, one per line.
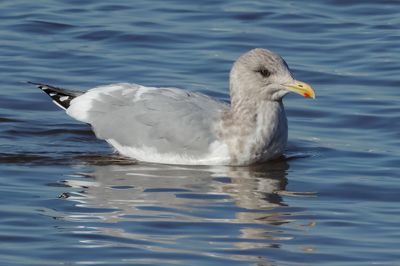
(331,199)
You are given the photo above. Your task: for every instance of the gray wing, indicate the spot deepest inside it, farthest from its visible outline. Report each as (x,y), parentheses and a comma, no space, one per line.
(167,119)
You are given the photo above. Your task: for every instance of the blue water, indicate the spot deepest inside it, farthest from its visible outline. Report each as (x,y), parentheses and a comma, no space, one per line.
(66,199)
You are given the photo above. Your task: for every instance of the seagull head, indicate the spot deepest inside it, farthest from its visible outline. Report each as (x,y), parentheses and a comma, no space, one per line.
(262,74)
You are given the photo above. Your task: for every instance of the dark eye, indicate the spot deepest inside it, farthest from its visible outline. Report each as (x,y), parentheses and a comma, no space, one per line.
(264,72)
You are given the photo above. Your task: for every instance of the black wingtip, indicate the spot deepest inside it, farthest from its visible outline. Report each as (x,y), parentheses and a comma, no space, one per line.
(37,84)
(34,83)
(60,97)
(31,82)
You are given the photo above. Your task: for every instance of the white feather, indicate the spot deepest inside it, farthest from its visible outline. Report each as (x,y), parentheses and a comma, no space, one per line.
(218,155)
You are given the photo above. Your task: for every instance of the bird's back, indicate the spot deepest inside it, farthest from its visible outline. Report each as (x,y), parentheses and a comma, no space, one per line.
(142,122)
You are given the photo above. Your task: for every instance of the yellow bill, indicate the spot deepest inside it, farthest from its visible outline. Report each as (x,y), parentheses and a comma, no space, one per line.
(301,88)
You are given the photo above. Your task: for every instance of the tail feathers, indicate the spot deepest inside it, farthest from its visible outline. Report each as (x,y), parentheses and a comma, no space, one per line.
(60,97)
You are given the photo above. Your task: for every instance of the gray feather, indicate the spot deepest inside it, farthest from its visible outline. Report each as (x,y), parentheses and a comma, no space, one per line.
(168,119)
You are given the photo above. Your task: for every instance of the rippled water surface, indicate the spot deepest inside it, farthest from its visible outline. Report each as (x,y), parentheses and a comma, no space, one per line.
(66,199)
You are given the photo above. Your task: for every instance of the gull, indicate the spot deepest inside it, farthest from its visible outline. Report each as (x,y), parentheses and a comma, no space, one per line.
(175,126)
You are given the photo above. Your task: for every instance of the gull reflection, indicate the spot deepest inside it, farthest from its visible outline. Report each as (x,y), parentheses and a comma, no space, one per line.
(139,188)
(165,197)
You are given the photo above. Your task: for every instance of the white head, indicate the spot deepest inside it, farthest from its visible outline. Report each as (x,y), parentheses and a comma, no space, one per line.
(263,75)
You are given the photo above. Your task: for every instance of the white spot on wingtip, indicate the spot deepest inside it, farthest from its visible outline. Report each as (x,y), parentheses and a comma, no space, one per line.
(59,105)
(52,94)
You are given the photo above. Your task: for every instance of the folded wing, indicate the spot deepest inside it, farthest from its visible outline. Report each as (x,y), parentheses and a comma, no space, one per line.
(167,120)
